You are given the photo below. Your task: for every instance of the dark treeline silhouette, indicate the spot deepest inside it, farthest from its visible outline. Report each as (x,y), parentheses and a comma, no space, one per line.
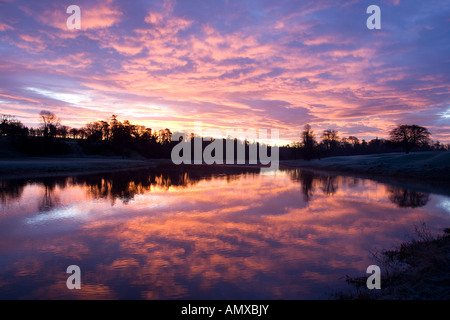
(30,141)
(113,137)
(106,138)
(233,150)
(403,138)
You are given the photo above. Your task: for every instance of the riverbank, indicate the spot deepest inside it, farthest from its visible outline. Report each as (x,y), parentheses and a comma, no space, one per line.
(433,165)
(30,168)
(418,269)
(428,167)
(46,167)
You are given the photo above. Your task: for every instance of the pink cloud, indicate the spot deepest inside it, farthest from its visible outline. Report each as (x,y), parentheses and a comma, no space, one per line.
(4,27)
(93,16)
(195,67)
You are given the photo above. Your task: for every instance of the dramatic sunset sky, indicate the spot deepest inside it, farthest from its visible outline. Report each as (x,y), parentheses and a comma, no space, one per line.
(262,64)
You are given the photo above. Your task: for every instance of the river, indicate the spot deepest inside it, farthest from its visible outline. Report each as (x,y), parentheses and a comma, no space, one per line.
(202,232)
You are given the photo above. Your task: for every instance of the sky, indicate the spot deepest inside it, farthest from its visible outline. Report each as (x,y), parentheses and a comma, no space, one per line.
(231,64)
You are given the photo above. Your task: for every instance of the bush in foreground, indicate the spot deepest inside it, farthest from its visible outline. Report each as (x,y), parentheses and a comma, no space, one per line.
(418,269)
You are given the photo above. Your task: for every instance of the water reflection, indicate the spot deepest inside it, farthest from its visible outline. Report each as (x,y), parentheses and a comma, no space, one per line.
(306,179)
(310,180)
(123,185)
(199,233)
(10,190)
(405,198)
(49,199)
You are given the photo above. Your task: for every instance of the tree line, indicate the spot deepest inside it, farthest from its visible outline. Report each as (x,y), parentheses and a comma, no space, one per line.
(403,138)
(110,137)
(113,137)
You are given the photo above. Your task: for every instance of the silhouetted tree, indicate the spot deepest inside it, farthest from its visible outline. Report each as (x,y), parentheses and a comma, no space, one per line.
(76,133)
(309,142)
(10,126)
(165,136)
(146,135)
(330,139)
(410,136)
(63,131)
(106,132)
(353,140)
(50,123)
(94,131)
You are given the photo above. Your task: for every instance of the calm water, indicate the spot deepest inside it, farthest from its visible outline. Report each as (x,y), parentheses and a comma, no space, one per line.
(176,234)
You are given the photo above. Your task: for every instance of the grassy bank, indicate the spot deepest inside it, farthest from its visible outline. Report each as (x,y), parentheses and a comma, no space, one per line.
(45,167)
(433,165)
(29,168)
(418,269)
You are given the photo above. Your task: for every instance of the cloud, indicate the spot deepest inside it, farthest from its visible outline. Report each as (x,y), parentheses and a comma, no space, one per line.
(4,27)
(94,15)
(230,62)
